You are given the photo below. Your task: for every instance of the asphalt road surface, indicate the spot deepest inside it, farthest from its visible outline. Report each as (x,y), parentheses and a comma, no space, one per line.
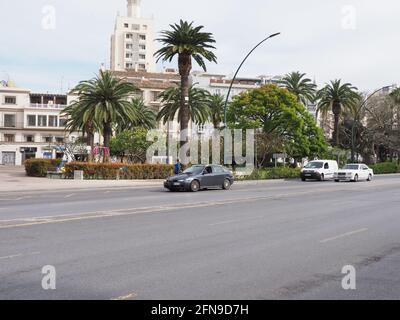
(273,240)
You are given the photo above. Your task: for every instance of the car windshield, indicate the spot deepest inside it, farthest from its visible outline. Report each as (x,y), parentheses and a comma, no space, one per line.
(194,170)
(314,165)
(351,167)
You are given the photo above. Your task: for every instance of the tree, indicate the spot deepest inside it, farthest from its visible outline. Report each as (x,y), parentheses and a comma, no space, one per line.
(217,104)
(336,97)
(280,117)
(102,102)
(186,42)
(131,144)
(144,117)
(301,87)
(199,110)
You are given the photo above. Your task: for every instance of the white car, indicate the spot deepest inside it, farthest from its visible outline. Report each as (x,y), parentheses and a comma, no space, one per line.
(354,172)
(319,170)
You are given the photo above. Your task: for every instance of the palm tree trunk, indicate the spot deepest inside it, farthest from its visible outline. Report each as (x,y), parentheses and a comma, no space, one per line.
(107,131)
(336,108)
(185,65)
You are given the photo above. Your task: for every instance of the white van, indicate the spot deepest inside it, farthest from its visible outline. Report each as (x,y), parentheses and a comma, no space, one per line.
(319,170)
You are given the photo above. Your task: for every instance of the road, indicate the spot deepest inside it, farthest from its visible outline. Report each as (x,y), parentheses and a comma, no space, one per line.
(266,240)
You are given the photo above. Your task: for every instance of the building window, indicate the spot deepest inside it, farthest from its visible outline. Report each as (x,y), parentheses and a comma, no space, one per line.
(142,66)
(52,121)
(9,137)
(154,96)
(142,37)
(9,120)
(129,46)
(59,139)
(62,122)
(42,121)
(142,56)
(129,65)
(126,25)
(136,27)
(129,36)
(31,120)
(10,100)
(29,138)
(129,55)
(145,27)
(48,139)
(142,47)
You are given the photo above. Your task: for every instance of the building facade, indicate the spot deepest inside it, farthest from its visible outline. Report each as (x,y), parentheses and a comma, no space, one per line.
(132,44)
(31,125)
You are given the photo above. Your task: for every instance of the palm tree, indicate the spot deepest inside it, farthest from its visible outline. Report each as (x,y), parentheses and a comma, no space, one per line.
(186,41)
(102,102)
(217,103)
(144,116)
(198,107)
(395,94)
(336,97)
(303,88)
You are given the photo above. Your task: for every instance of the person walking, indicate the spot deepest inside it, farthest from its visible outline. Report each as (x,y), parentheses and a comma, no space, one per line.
(177,167)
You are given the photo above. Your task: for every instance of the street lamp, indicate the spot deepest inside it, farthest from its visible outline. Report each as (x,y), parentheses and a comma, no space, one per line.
(357,120)
(237,71)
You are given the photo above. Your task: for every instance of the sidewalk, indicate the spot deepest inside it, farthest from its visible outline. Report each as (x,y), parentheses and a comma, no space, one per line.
(13,179)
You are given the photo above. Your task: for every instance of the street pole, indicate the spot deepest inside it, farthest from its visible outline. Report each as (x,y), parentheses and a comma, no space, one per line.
(237,71)
(356,120)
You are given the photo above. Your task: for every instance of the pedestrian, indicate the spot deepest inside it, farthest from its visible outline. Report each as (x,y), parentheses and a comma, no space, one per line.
(178,167)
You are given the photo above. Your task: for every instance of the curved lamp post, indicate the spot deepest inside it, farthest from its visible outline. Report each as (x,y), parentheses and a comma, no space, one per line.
(357,119)
(237,71)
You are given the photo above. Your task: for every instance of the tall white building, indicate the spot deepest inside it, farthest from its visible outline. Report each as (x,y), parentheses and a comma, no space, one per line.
(132,44)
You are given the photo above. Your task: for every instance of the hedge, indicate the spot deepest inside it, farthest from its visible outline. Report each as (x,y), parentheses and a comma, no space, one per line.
(385,167)
(40,167)
(274,173)
(113,171)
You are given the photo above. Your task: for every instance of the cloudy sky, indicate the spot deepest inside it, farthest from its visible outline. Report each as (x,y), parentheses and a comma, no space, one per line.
(357,41)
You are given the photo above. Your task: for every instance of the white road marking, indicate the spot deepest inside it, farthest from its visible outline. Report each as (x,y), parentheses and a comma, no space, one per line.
(347,234)
(132,295)
(235,220)
(69,196)
(19,255)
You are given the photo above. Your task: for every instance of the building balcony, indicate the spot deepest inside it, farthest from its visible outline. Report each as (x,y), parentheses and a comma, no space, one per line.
(47,106)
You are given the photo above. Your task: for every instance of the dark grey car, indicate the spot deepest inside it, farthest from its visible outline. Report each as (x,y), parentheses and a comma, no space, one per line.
(200,177)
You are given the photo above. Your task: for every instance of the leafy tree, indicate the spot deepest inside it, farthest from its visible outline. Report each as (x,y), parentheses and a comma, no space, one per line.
(130,145)
(102,102)
(336,97)
(281,117)
(303,88)
(186,41)
(198,106)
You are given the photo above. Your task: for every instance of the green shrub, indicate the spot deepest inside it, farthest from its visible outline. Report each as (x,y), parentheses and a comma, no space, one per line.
(274,173)
(40,167)
(385,167)
(113,171)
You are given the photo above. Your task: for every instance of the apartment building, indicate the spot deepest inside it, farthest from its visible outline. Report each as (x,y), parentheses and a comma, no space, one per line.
(132,44)
(30,125)
(151,84)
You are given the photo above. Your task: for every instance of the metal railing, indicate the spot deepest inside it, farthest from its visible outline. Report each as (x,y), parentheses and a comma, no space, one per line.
(47,106)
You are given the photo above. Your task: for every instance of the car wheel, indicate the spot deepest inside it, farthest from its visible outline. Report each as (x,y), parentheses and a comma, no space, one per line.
(336,180)
(369,177)
(303,179)
(226,185)
(195,186)
(322,178)
(356,178)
